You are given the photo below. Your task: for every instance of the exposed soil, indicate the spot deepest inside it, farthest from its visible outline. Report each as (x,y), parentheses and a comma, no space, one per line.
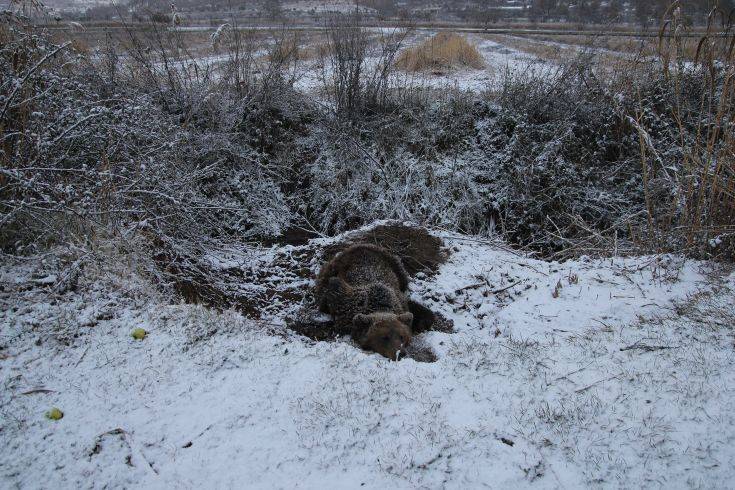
(418,249)
(263,286)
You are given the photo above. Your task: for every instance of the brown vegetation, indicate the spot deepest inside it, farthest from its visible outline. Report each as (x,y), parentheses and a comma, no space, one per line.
(706,190)
(296,48)
(443,51)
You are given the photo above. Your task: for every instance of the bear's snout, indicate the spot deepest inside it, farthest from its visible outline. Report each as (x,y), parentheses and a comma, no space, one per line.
(389,341)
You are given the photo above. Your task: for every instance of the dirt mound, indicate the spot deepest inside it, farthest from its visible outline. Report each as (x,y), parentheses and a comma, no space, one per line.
(261,284)
(277,283)
(264,282)
(418,249)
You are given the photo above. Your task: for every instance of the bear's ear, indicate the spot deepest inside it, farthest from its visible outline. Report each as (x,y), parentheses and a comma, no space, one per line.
(406,318)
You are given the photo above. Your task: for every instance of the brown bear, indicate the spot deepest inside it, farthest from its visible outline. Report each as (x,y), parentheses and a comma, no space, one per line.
(364,289)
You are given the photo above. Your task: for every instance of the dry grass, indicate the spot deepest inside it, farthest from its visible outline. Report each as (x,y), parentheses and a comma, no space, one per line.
(645,46)
(634,45)
(297,48)
(443,51)
(540,50)
(285,50)
(562,48)
(315,51)
(559,47)
(704,212)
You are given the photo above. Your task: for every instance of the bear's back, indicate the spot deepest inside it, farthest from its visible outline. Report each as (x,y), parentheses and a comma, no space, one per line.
(364,279)
(363,266)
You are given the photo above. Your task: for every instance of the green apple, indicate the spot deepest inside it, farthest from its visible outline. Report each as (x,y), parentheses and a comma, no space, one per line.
(54,414)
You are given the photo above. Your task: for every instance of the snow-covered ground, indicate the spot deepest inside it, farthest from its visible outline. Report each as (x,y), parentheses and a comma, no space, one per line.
(309,75)
(499,60)
(605,372)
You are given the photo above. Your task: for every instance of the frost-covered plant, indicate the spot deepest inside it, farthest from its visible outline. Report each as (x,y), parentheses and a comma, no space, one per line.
(83,155)
(700,215)
(140,137)
(357,85)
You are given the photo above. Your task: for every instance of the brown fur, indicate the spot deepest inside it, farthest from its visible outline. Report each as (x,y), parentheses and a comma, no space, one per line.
(364,289)
(387,334)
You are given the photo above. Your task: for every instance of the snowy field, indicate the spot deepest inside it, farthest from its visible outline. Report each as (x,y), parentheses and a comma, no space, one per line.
(499,60)
(311,75)
(603,373)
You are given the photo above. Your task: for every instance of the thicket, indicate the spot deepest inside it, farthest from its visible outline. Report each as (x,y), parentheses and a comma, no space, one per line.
(139,141)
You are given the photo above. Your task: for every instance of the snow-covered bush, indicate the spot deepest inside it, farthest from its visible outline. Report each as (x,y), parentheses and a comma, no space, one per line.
(197,154)
(84,153)
(358,87)
(561,162)
(701,213)
(553,161)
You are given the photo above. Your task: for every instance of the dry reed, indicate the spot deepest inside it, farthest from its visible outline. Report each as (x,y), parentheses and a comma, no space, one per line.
(443,51)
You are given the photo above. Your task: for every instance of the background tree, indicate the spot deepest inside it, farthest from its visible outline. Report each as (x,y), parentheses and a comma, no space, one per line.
(614,10)
(643,11)
(272,9)
(541,10)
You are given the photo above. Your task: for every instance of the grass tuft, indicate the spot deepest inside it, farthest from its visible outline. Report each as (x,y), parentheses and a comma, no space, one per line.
(443,51)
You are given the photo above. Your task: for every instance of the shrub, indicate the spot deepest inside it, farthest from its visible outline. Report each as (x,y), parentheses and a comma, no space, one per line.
(444,51)
(699,212)
(160,18)
(98,150)
(195,155)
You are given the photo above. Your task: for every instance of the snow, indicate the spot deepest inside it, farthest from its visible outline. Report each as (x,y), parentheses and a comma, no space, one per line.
(499,59)
(625,378)
(310,75)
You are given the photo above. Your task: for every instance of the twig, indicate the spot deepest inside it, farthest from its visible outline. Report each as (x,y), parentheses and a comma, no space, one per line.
(30,72)
(581,390)
(573,372)
(496,291)
(647,348)
(82,356)
(471,286)
(37,390)
(135,449)
(480,284)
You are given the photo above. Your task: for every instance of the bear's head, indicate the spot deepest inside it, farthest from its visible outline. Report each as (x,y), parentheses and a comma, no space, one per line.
(388,334)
